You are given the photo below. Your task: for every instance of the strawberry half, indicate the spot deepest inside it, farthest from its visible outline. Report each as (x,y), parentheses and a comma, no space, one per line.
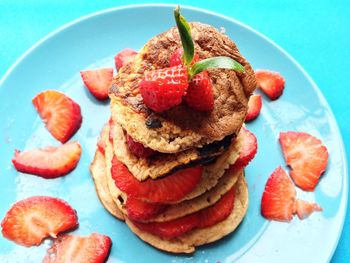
(199,94)
(71,248)
(61,115)
(31,220)
(307,157)
(50,162)
(271,83)
(217,212)
(170,229)
(254,107)
(124,57)
(98,81)
(163,89)
(140,211)
(164,190)
(248,151)
(138,149)
(278,200)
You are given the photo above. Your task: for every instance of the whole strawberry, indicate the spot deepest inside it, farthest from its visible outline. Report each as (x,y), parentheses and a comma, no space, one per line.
(163,89)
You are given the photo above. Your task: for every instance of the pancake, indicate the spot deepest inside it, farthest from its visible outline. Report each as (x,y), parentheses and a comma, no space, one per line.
(181,127)
(189,241)
(162,164)
(210,176)
(98,173)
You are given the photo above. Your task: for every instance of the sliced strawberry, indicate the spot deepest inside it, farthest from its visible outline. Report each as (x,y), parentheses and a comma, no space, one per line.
(170,229)
(139,210)
(254,107)
(201,219)
(138,149)
(101,146)
(164,190)
(200,93)
(249,149)
(71,248)
(61,115)
(176,58)
(163,89)
(271,83)
(306,155)
(31,220)
(217,212)
(305,209)
(98,81)
(278,200)
(50,162)
(124,57)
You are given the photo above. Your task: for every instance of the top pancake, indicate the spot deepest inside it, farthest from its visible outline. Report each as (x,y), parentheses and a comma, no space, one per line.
(181,127)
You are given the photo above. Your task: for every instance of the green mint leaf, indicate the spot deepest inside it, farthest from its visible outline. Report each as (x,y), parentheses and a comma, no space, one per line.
(185,35)
(215,62)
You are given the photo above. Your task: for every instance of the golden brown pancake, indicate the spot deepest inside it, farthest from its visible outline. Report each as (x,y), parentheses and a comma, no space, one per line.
(162,164)
(181,127)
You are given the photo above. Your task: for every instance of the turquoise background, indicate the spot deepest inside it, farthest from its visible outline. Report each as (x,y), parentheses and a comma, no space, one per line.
(315,33)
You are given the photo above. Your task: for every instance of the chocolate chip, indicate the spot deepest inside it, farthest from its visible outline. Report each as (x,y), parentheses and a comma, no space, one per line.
(153,123)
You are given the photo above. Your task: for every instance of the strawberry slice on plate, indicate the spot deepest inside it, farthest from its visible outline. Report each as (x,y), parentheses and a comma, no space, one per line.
(138,149)
(61,115)
(31,220)
(98,81)
(163,89)
(304,209)
(140,211)
(278,200)
(249,149)
(124,57)
(271,83)
(254,107)
(307,157)
(217,212)
(72,248)
(163,190)
(200,94)
(49,162)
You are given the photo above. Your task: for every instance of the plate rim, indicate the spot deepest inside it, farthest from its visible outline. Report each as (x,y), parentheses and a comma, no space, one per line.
(315,87)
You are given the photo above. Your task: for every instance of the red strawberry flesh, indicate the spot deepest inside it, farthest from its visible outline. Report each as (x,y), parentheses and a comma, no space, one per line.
(61,115)
(124,57)
(72,248)
(164,190)
(254,107)
(98,81)
(50,162)
(199,94)
(278,200)
(304,209)
(31,220)
(307,157)
(137,148)
(248,151)
(271,83)
(140,211)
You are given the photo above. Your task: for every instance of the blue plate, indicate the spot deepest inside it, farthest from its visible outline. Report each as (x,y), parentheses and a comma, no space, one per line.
(91,42)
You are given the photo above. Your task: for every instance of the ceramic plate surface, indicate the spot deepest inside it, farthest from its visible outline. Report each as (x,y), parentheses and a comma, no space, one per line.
(92,42)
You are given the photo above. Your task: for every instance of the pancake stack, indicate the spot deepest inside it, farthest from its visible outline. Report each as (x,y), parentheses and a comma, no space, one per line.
(191,174)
